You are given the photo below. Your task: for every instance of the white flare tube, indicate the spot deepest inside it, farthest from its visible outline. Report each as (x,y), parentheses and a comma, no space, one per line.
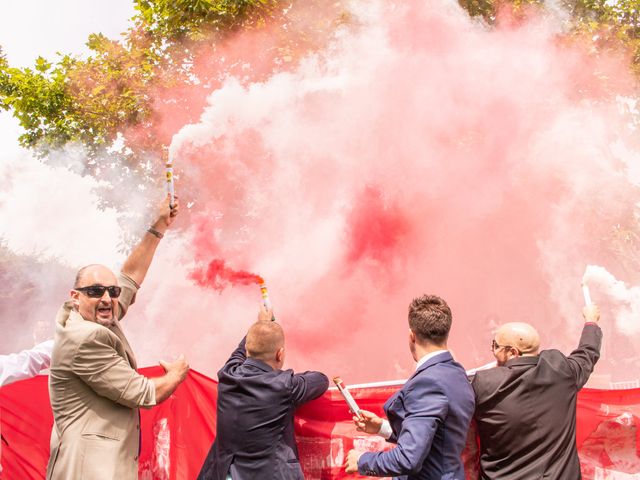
(265,299)
(586,294)
(353,406)
(170,186)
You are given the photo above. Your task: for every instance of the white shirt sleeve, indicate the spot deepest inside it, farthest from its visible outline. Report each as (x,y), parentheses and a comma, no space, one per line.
(25,364)
(385,429)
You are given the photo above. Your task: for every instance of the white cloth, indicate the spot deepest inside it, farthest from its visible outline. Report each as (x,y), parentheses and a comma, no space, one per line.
(385,429)
(25,364)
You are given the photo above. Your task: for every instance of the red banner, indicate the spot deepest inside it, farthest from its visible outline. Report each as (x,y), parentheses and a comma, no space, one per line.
(178,433)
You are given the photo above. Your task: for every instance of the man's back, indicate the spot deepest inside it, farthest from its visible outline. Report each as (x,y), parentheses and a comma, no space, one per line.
(254,431)
(525,412)
(429,417)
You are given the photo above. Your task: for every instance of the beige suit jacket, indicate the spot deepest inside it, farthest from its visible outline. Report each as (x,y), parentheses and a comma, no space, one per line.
(95,394)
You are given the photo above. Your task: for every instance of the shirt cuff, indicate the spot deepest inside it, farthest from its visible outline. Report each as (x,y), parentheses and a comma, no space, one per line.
(385,430)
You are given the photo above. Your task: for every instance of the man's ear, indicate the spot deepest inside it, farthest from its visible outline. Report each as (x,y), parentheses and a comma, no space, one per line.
(280,355)
(75,298)
(412,336)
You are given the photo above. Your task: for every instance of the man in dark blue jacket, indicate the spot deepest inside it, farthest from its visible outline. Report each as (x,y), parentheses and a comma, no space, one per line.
(256,403)
(429,417)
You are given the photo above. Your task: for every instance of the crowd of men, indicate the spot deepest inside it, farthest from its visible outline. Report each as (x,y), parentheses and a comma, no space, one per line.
(524,407)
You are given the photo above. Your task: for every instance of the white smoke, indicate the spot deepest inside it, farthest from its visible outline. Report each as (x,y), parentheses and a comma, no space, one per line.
(625,299)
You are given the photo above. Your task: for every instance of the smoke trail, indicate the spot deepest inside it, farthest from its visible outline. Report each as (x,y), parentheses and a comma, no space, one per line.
(218,276)
(627,299)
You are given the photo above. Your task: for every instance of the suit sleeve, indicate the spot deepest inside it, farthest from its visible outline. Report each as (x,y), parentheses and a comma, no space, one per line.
(97,363)
(427,407)
(127,294)
(308,386)
(583,359)
(238,356)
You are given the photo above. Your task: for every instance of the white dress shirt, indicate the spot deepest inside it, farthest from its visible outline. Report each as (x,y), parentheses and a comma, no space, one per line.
(385,429)
(25,364)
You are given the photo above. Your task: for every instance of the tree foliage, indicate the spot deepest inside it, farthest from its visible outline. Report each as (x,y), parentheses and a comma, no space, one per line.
(608,23)
(94,99)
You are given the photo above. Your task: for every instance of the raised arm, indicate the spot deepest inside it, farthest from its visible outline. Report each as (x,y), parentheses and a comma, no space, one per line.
(138,261)
(583,359)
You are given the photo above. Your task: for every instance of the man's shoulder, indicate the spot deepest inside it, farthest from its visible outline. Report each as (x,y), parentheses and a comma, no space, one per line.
(444,370)
(484,379)
(78,331)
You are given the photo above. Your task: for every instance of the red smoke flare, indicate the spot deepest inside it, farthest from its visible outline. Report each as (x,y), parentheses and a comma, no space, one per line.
(218,276)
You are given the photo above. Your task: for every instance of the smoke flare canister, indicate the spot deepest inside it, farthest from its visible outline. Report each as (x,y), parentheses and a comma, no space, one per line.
(169,172)
(170,187)
(586,294)
(353,406)
(265,298)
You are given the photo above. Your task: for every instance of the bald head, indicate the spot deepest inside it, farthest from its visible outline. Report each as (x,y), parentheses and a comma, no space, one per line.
(264,340)
(521,336)
(95,272)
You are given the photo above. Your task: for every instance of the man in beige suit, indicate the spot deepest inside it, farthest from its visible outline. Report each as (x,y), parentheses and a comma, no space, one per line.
(94,387)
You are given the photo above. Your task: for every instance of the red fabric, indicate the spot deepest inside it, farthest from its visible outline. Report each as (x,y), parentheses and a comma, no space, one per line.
(178,433)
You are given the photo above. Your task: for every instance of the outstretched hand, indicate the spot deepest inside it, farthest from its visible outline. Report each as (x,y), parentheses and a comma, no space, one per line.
(178,368)
(166,213)
(591,313)
(265,314)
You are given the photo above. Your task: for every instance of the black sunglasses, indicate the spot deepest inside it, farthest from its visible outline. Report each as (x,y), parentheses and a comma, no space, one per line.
(495,346)
(97,291)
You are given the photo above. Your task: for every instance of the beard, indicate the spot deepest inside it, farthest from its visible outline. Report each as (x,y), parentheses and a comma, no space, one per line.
(106,322)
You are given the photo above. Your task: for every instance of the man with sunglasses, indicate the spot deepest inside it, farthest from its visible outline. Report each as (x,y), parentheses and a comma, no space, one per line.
(526,406)
(94,388)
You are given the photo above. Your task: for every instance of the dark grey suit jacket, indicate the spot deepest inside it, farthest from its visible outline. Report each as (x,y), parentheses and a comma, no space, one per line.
(254,429)
(526,412)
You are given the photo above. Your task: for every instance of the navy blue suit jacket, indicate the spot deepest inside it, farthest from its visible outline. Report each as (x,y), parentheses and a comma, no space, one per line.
(429,417)
(254,430)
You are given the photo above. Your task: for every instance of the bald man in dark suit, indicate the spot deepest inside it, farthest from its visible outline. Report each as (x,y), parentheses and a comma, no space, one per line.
(526,406)
(256,403)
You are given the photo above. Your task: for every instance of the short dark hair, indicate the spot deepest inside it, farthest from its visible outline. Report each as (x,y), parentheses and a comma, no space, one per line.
(430,319)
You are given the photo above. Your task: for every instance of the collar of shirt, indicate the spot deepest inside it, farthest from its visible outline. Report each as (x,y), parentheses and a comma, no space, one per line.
(427,357)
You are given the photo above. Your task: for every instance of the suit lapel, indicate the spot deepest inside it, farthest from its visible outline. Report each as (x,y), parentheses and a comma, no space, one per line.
(67,313)
(127,348)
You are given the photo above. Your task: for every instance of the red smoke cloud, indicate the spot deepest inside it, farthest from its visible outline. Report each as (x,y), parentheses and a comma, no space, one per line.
(218,276)
(419,153)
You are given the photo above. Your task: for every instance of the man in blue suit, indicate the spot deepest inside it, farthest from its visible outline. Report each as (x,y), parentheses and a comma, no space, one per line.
(429,417)
(256,402)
